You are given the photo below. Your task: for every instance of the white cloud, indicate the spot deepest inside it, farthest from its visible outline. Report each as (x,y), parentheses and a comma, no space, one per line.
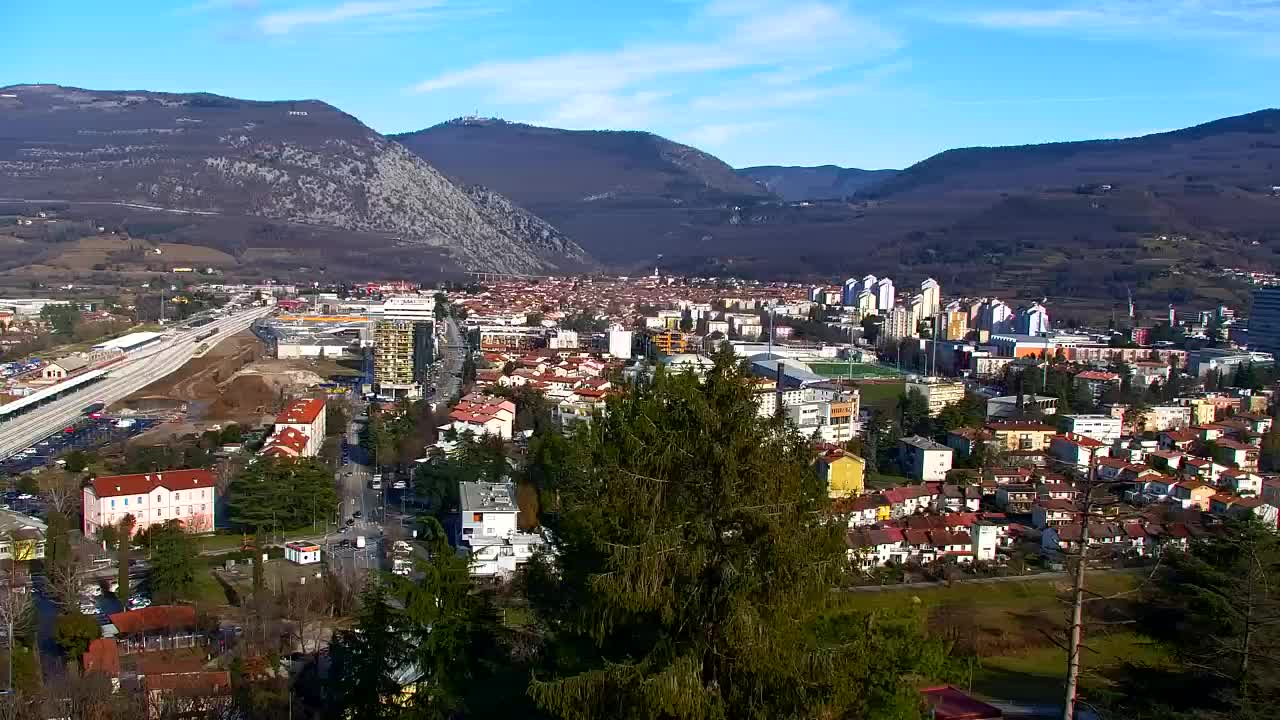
(1251,22)
(757,47)
(217,5)
(287,21)
(716,135)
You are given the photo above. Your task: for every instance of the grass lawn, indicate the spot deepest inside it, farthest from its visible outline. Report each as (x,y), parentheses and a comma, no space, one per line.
(1006,624)
(207,589)
(876,481)
(882,396)
(233,541)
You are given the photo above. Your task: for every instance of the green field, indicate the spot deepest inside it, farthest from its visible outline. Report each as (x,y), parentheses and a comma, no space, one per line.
(1006,627)
(881,396)
(854,370)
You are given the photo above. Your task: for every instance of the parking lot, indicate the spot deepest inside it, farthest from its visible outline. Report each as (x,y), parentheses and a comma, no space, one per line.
(84,435)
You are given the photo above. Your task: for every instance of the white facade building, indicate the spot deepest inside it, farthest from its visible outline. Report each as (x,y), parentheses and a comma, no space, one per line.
(1103,428)
(924,459)
(620,342)
(188,496)
(490,536)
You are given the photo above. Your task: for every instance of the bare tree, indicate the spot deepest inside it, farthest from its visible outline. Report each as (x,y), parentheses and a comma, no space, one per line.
(302,606)
(61,490)
(15,596)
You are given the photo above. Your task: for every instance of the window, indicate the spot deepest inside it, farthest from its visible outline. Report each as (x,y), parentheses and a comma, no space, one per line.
(140,499)
(113,502)
(177,496)
(157,512)
(126,502)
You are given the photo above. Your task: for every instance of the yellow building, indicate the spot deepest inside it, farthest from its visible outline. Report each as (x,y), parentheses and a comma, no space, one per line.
(844,473)
(1021,436)
(671,342)
(957,324)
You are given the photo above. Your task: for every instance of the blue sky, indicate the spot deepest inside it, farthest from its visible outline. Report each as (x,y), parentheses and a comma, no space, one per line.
(803,82)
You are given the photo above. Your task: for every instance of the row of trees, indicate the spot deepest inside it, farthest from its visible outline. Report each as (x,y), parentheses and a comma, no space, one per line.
(691,579)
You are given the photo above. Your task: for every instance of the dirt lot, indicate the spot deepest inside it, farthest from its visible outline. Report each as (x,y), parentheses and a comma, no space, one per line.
(231,383)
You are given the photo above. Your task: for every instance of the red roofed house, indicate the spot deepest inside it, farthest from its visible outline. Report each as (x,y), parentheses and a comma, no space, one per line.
(287,443)
(1097,382)
(201,694)
(948,703)
(1075,449)
(188,496)
(483,415)
(103,656)
(158,627)
(306,417)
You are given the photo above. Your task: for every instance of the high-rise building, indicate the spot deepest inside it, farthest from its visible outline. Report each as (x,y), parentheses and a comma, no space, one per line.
(956,321)
(849,293)
(897,323)
(931,295)
(1264,321)
(393,348)
(1034,320)
(620,343)
(884,293)
(403,344)
(865,304)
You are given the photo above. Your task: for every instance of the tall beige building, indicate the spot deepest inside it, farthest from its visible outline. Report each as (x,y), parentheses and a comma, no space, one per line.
(393,355)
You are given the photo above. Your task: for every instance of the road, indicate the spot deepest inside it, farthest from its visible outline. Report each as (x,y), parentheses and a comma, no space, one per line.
(134,373)
(354,494)
(452,351)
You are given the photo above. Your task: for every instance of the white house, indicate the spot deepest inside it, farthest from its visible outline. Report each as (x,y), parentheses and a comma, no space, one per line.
(1103,428)
(302,553)
(924,459)
(490,536)
(188,496)
(300,428)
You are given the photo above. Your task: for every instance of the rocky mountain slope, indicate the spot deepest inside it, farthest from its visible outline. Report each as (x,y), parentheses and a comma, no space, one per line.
(809,183)
(217,158)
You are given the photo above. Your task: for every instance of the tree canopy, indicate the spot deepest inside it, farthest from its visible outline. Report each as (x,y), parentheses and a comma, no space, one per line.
(278,494)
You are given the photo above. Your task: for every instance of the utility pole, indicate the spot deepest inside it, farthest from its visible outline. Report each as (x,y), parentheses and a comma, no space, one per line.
(1077,598)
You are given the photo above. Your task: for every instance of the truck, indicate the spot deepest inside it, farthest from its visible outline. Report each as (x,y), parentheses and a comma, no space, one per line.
(359,541)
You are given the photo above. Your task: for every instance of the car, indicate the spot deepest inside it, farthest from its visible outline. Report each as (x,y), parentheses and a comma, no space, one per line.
(137,603)
(345,543)
(357,514)
(68,429)
(342,530)
(350,522)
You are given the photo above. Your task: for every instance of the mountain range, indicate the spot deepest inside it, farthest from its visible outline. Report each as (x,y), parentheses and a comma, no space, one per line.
(286,184)
(797,183)
(212,161)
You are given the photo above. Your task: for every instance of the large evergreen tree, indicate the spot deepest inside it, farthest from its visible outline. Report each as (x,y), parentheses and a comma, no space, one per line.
(366,659)
(692,570)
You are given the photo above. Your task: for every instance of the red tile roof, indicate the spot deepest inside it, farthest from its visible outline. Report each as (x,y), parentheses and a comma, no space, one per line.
(143,483)
(948,703)
(212,681)
(155,618)
(301,412)
(1098,375)
(102,656)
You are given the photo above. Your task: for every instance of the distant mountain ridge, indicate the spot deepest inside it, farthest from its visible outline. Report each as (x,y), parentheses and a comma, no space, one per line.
(295,161)
(794,182)
(537,165)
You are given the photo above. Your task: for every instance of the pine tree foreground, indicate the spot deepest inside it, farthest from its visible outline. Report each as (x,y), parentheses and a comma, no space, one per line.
(694,574)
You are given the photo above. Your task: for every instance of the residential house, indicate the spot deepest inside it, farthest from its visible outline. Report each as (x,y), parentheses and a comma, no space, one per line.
(923,459)
(306,417)
(959,498)
(863,510)
(22,537)
(199,694)
(965,440)
(1076,449)
(1067,538)
(1054,513)
(1235,506)
(1193,493)
(1236,454)
(842,472)
(1021,436)
(909,499)
(1017,498)
(1097,382)
(158,627)
(188,496)
(874,547)
(1103,428)
(490,536)
(483,415)
(1241,482)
